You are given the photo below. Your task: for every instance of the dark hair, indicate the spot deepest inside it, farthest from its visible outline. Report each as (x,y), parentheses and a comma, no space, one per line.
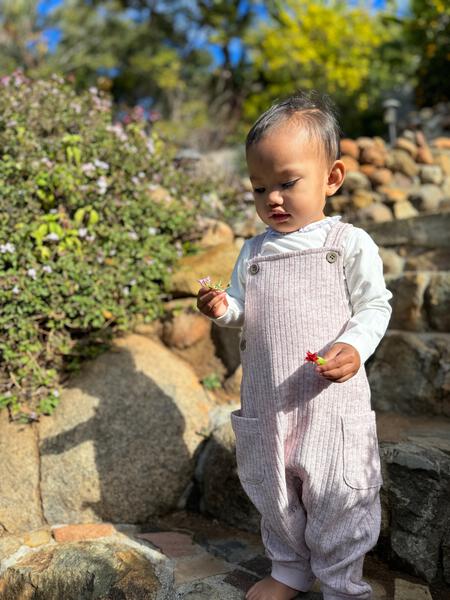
(313,110)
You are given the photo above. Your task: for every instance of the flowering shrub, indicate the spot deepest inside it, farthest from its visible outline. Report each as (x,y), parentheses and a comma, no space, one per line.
(86,245)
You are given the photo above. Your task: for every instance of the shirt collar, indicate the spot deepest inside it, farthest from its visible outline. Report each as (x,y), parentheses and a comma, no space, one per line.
(309,227)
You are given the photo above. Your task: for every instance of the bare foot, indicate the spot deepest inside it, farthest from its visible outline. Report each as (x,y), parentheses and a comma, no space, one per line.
(270,589)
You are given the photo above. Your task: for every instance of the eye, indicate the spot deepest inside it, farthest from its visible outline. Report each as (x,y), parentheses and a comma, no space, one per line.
(258,190)
(290,183)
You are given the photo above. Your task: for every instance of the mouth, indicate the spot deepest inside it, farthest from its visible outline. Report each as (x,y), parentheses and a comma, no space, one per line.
(279,216)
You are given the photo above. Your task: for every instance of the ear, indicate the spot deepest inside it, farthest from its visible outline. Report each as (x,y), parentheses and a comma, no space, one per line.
(335,177)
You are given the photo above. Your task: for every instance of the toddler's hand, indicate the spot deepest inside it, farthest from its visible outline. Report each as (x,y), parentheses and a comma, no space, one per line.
(343,361)
(212,303)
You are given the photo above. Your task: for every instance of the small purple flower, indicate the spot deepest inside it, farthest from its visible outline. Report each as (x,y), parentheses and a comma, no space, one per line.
(205,281)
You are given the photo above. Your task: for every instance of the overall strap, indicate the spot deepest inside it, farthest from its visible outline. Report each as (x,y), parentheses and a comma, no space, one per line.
(336,234)
(255,245)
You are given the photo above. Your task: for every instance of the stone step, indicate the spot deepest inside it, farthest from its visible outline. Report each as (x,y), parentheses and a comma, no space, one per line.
(395,427)
(180,556)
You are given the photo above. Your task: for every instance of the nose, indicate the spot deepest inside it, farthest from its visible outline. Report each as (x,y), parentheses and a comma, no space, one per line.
(274,198)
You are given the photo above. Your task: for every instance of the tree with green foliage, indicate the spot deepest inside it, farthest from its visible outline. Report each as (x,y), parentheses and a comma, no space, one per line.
(160,53)
(225,23)
(22,41)
(427,30)
(324,45)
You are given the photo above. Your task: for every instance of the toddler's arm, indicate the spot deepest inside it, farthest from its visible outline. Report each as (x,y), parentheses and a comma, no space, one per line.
(368,294)
(235,294)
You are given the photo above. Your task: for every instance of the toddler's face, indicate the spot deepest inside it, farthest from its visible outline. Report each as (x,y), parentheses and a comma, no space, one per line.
(289,175)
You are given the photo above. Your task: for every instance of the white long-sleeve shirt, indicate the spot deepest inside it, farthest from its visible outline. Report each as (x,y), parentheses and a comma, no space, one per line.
(367,295)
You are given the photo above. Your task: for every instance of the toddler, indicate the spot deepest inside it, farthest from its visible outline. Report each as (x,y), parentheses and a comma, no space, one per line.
(306,438)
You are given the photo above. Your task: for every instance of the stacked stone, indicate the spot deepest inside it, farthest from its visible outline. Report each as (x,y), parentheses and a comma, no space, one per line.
(384,184)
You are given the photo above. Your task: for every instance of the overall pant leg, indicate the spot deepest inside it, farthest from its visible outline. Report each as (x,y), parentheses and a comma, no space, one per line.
(342,501)
(276,495)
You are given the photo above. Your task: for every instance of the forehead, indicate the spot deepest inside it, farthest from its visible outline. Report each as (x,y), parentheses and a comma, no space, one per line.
(285,148)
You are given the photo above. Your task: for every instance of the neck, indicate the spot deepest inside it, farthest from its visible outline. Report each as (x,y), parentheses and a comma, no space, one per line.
(299,228)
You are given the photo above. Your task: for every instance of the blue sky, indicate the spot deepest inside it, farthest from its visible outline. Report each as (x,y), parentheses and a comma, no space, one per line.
(53,35)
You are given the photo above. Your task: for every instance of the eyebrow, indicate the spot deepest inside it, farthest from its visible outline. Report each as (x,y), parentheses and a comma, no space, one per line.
(282,172)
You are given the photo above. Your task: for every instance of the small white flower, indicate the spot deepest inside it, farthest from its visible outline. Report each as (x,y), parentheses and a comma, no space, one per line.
(52,236)
(93,90)
(125,291)
(8,247)
(112,252)
(102,185)
(133,235)
(118,130)
(151,146)
(53,211)
(88,168)
(15,290)
(47,268)
(101,164)
(31,273)
(90,238)
(56,393)
(82,232)
(132,282)
(153,230)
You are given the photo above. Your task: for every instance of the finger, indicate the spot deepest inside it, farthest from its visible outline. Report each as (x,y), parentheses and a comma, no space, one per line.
(342,379)
(215,301)
(334,363)
(339,372)
(202,301)
(203,291)
(339,359)
(206,297)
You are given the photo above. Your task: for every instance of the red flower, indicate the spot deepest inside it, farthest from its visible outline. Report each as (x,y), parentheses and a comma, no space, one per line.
(315,358)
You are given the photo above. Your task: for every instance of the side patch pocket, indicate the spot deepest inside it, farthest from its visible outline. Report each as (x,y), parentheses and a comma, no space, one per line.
(249,448)
(361,457)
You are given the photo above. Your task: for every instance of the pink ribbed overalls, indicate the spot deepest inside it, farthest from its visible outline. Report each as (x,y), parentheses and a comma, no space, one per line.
(306,447)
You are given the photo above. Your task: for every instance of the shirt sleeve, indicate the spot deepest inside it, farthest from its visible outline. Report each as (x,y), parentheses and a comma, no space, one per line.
(367,292)
(235,294)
